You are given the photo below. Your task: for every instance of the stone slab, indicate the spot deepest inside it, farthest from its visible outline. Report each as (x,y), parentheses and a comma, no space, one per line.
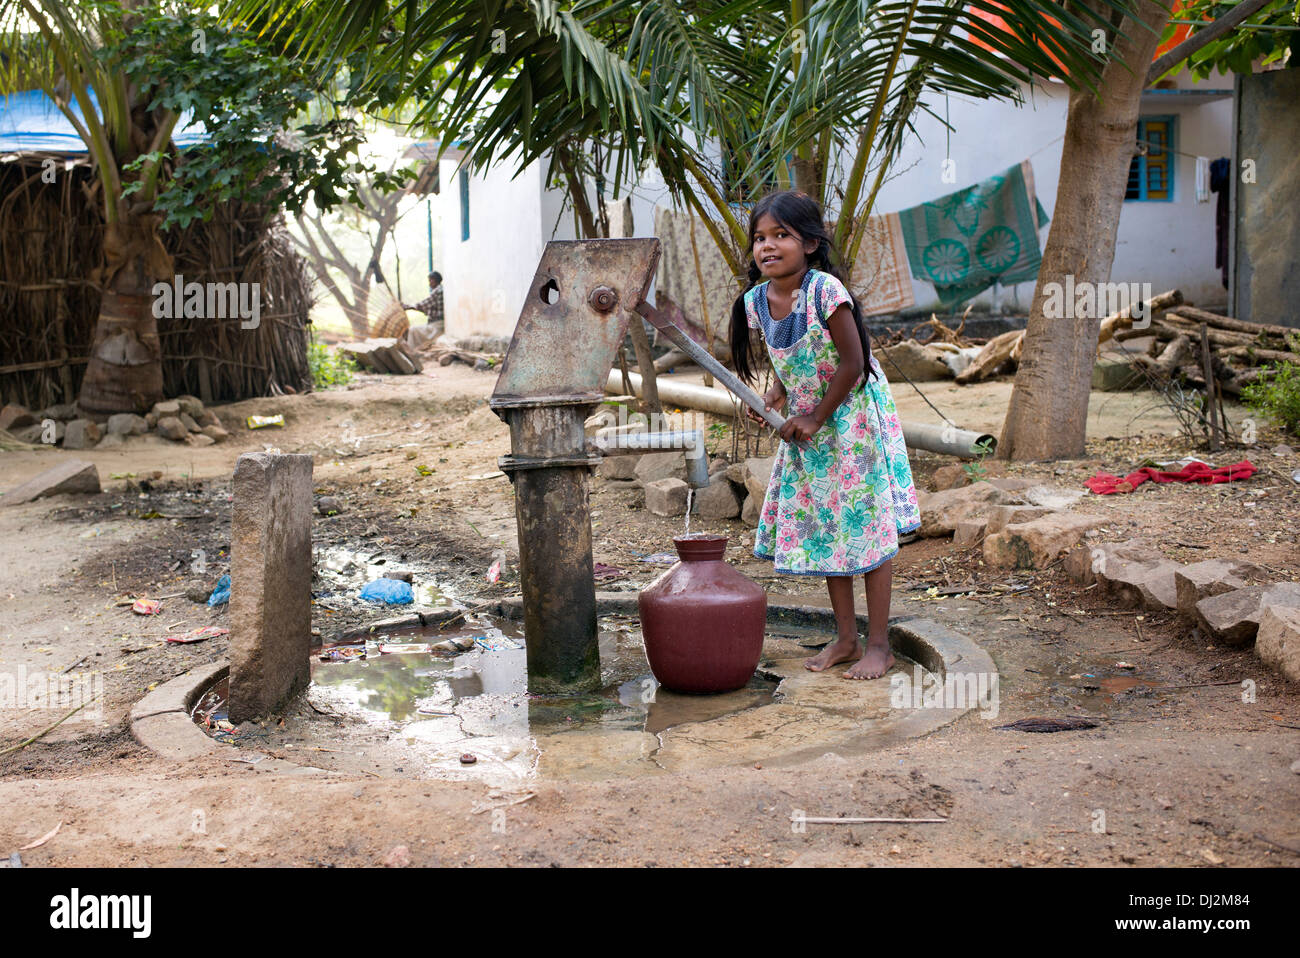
(270,571)
(72,476)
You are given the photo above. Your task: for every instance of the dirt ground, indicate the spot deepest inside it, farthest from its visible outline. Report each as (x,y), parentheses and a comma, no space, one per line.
(1188,775)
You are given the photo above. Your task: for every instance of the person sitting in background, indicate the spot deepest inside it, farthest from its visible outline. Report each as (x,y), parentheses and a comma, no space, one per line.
(431,305)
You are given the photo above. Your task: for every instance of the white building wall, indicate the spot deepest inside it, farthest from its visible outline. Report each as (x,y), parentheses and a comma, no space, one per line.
(487,276)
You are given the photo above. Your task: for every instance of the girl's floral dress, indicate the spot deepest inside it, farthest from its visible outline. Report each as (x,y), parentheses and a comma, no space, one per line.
(837,503)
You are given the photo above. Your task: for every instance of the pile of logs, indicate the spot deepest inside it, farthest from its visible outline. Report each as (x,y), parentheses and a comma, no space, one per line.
(382,355)
(1005,350)
(1236,351)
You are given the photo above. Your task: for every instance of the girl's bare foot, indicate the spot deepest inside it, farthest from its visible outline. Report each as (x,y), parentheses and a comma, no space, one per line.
(841,650)
(875,662)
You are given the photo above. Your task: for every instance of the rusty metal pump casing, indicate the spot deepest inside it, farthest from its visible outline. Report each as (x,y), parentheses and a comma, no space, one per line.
(574,318)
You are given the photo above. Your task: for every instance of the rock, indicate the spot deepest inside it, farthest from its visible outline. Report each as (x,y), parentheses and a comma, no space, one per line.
(192,406)
(198,439)
(112,441)
(758,473)
(1233,617)
(1115,375)
(14,417)
(1012,483)
(151,419)
(1210,577)
(1282,449)
(941,511)
(326,505)
(72,476)
(1144,585)
(654,466)
(32,434)
(81,434)
(1036,544)
(718,463)
(1277,642)
(170,427)
(750,510)
(127,424)
(168,407)
(999,517)
(718,500)
(666,497)
(60,411)
(618,467)
(60,430)
(208,418)
(198,592)
(1086,560)
(949,477)
(918,363)
(216,433)
(736,473)
(1134,573)
(969,533)
(958,474)
(188,422)
(1049,497)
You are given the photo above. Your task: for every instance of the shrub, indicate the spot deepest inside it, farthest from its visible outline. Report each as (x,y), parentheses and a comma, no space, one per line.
(1277,395)
(328,368)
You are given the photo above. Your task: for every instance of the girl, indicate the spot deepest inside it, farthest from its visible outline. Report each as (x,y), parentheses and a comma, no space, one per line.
(841,491)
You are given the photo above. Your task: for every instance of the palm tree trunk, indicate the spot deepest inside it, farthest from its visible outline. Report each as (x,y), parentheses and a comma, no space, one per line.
(125,369)
(1048,413)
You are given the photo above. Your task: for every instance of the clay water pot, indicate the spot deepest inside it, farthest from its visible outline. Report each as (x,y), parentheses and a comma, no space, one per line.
(702,621)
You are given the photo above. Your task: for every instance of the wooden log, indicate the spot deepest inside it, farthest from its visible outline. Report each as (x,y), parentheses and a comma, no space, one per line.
(997,351)
(1174,355)
(674,357)
(1237,325)
(1156,330)
(1123,319)
(1256,355)
(1244,377)
(1218,337)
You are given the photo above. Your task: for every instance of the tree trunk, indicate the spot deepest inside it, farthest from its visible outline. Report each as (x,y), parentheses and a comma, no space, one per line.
(1048,414)
(125,369)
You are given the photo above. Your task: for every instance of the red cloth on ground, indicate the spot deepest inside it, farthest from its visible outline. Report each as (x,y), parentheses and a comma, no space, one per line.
(1103,483)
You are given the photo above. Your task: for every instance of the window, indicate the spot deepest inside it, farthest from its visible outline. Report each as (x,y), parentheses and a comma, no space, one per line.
(1151,174)
(464,205)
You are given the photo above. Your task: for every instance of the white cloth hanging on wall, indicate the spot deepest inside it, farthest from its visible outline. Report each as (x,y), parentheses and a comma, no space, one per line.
(1202,179)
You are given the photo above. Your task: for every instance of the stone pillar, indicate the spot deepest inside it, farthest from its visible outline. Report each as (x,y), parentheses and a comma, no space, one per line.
(270,577)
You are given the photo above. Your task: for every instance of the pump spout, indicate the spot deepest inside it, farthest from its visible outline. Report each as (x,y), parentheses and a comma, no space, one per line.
(690,441)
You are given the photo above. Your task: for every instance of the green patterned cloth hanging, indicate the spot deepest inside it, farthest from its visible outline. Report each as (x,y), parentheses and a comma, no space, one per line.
(965,241)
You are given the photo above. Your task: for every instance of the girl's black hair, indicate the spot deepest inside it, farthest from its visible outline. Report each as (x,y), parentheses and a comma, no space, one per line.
(798,213)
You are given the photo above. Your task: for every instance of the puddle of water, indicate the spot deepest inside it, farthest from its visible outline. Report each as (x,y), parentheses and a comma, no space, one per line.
(425,709)
(1121,683)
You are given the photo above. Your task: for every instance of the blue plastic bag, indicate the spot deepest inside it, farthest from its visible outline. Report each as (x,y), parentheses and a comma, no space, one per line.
(221,594)
(388,591)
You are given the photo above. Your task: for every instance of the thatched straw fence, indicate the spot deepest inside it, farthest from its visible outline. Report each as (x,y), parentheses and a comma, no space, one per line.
(50,237)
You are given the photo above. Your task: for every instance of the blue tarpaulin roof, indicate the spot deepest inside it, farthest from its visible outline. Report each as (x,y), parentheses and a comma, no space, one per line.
(30,122)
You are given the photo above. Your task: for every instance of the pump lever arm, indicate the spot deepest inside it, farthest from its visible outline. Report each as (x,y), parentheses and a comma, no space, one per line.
(706,360)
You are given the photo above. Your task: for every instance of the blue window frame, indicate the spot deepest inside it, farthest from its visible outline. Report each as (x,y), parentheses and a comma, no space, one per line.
(464,205)
(1151,174)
